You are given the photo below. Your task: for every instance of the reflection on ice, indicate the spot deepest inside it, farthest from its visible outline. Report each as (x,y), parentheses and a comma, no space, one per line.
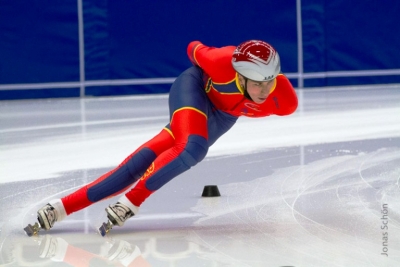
(49,250)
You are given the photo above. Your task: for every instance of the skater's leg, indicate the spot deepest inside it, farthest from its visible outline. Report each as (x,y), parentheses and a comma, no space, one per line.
(189,108)
(122,177)
(108,185)
(189,128)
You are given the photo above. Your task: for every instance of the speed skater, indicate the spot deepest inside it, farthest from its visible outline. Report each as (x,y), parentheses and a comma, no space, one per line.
(205,101)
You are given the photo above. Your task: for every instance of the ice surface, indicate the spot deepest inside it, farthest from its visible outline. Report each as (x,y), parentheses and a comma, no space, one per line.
(317,188)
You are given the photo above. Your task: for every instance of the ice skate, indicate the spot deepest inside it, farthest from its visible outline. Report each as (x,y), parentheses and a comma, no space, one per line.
(105,228)
(117,214)
(32,230)
(46,216)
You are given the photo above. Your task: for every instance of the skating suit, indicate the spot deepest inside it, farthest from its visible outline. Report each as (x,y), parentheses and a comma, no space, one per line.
(204,102)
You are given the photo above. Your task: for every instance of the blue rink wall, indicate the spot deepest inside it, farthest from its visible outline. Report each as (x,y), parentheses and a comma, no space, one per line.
(99,48)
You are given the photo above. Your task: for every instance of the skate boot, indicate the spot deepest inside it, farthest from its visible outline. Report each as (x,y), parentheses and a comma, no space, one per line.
(117,214)
(47,216)
(52,212)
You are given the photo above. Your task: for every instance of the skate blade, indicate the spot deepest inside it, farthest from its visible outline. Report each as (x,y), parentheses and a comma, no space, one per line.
(31,230)
(105,228)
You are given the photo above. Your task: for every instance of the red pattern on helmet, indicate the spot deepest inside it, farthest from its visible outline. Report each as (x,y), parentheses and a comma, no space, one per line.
(253,50)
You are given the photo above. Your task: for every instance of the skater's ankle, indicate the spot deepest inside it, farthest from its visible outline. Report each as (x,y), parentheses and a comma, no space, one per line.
(124,200)
(59,208)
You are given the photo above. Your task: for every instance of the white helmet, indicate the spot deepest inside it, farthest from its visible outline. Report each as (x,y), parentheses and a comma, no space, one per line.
(256,60)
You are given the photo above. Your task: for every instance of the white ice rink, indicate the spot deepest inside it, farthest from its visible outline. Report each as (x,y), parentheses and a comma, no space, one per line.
(319,188)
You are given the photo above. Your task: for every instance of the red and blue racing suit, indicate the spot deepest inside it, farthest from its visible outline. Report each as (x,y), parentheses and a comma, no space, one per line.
(204,102)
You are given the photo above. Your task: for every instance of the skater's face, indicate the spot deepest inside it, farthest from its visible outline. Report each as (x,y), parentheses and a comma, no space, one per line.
(258,91)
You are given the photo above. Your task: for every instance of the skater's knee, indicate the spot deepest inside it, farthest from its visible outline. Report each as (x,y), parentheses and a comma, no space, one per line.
(139,163)
(195,150)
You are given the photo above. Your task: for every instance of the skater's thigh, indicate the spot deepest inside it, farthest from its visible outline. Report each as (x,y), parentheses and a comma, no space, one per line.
(188,92)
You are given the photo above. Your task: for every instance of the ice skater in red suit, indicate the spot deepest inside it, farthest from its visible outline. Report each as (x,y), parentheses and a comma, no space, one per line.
(204,102)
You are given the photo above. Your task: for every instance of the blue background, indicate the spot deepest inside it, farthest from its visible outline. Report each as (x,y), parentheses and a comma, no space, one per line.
(39,40)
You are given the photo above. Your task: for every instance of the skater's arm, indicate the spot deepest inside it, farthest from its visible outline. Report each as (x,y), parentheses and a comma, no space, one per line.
(216,62)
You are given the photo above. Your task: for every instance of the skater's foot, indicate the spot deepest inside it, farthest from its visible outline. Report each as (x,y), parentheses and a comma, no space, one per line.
(47,216)
(118,213)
